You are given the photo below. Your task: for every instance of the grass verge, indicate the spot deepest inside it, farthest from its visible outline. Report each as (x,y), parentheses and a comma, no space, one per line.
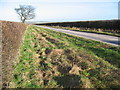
(50,59)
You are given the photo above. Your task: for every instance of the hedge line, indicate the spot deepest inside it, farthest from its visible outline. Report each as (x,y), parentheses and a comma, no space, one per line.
(105,24)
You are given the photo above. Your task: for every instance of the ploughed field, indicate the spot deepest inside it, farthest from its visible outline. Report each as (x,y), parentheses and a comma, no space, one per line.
(11,37)
(50,59)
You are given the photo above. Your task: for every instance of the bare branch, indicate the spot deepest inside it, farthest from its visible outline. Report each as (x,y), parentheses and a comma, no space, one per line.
(26,12)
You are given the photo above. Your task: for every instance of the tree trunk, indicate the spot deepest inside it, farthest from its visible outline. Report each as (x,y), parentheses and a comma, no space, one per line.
(23,21)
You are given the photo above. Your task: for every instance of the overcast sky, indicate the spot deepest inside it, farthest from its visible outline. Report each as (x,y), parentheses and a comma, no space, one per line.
(62,10)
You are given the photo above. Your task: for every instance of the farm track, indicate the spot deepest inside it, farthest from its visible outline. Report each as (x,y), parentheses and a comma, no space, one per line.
(112,40)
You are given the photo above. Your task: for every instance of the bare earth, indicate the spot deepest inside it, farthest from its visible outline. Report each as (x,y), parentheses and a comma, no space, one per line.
(113,40)
(11,33)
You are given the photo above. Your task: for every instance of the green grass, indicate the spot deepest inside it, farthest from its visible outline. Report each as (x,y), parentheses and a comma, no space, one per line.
(50,59)
(89,31)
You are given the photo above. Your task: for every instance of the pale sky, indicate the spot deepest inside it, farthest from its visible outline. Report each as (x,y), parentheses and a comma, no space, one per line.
(62,10)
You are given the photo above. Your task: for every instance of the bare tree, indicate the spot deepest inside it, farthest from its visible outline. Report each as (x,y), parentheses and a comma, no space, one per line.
(26,12)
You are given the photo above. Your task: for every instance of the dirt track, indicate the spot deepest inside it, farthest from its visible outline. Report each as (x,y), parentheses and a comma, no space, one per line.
(12,33)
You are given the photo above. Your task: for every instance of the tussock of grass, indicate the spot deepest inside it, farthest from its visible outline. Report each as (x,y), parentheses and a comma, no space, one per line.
(50,59)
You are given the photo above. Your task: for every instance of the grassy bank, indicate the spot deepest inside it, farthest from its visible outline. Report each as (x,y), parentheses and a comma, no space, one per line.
(50,59)
(89,30)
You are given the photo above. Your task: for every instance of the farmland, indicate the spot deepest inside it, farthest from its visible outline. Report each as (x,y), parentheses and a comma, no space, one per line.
(60,44)
(50,59)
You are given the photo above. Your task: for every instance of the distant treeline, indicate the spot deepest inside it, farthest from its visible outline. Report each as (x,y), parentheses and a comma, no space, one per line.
(103,24)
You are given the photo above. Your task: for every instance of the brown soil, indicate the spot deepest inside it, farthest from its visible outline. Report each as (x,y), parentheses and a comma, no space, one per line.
(12,33)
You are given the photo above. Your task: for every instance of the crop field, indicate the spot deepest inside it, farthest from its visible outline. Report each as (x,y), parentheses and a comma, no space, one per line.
(50,59)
